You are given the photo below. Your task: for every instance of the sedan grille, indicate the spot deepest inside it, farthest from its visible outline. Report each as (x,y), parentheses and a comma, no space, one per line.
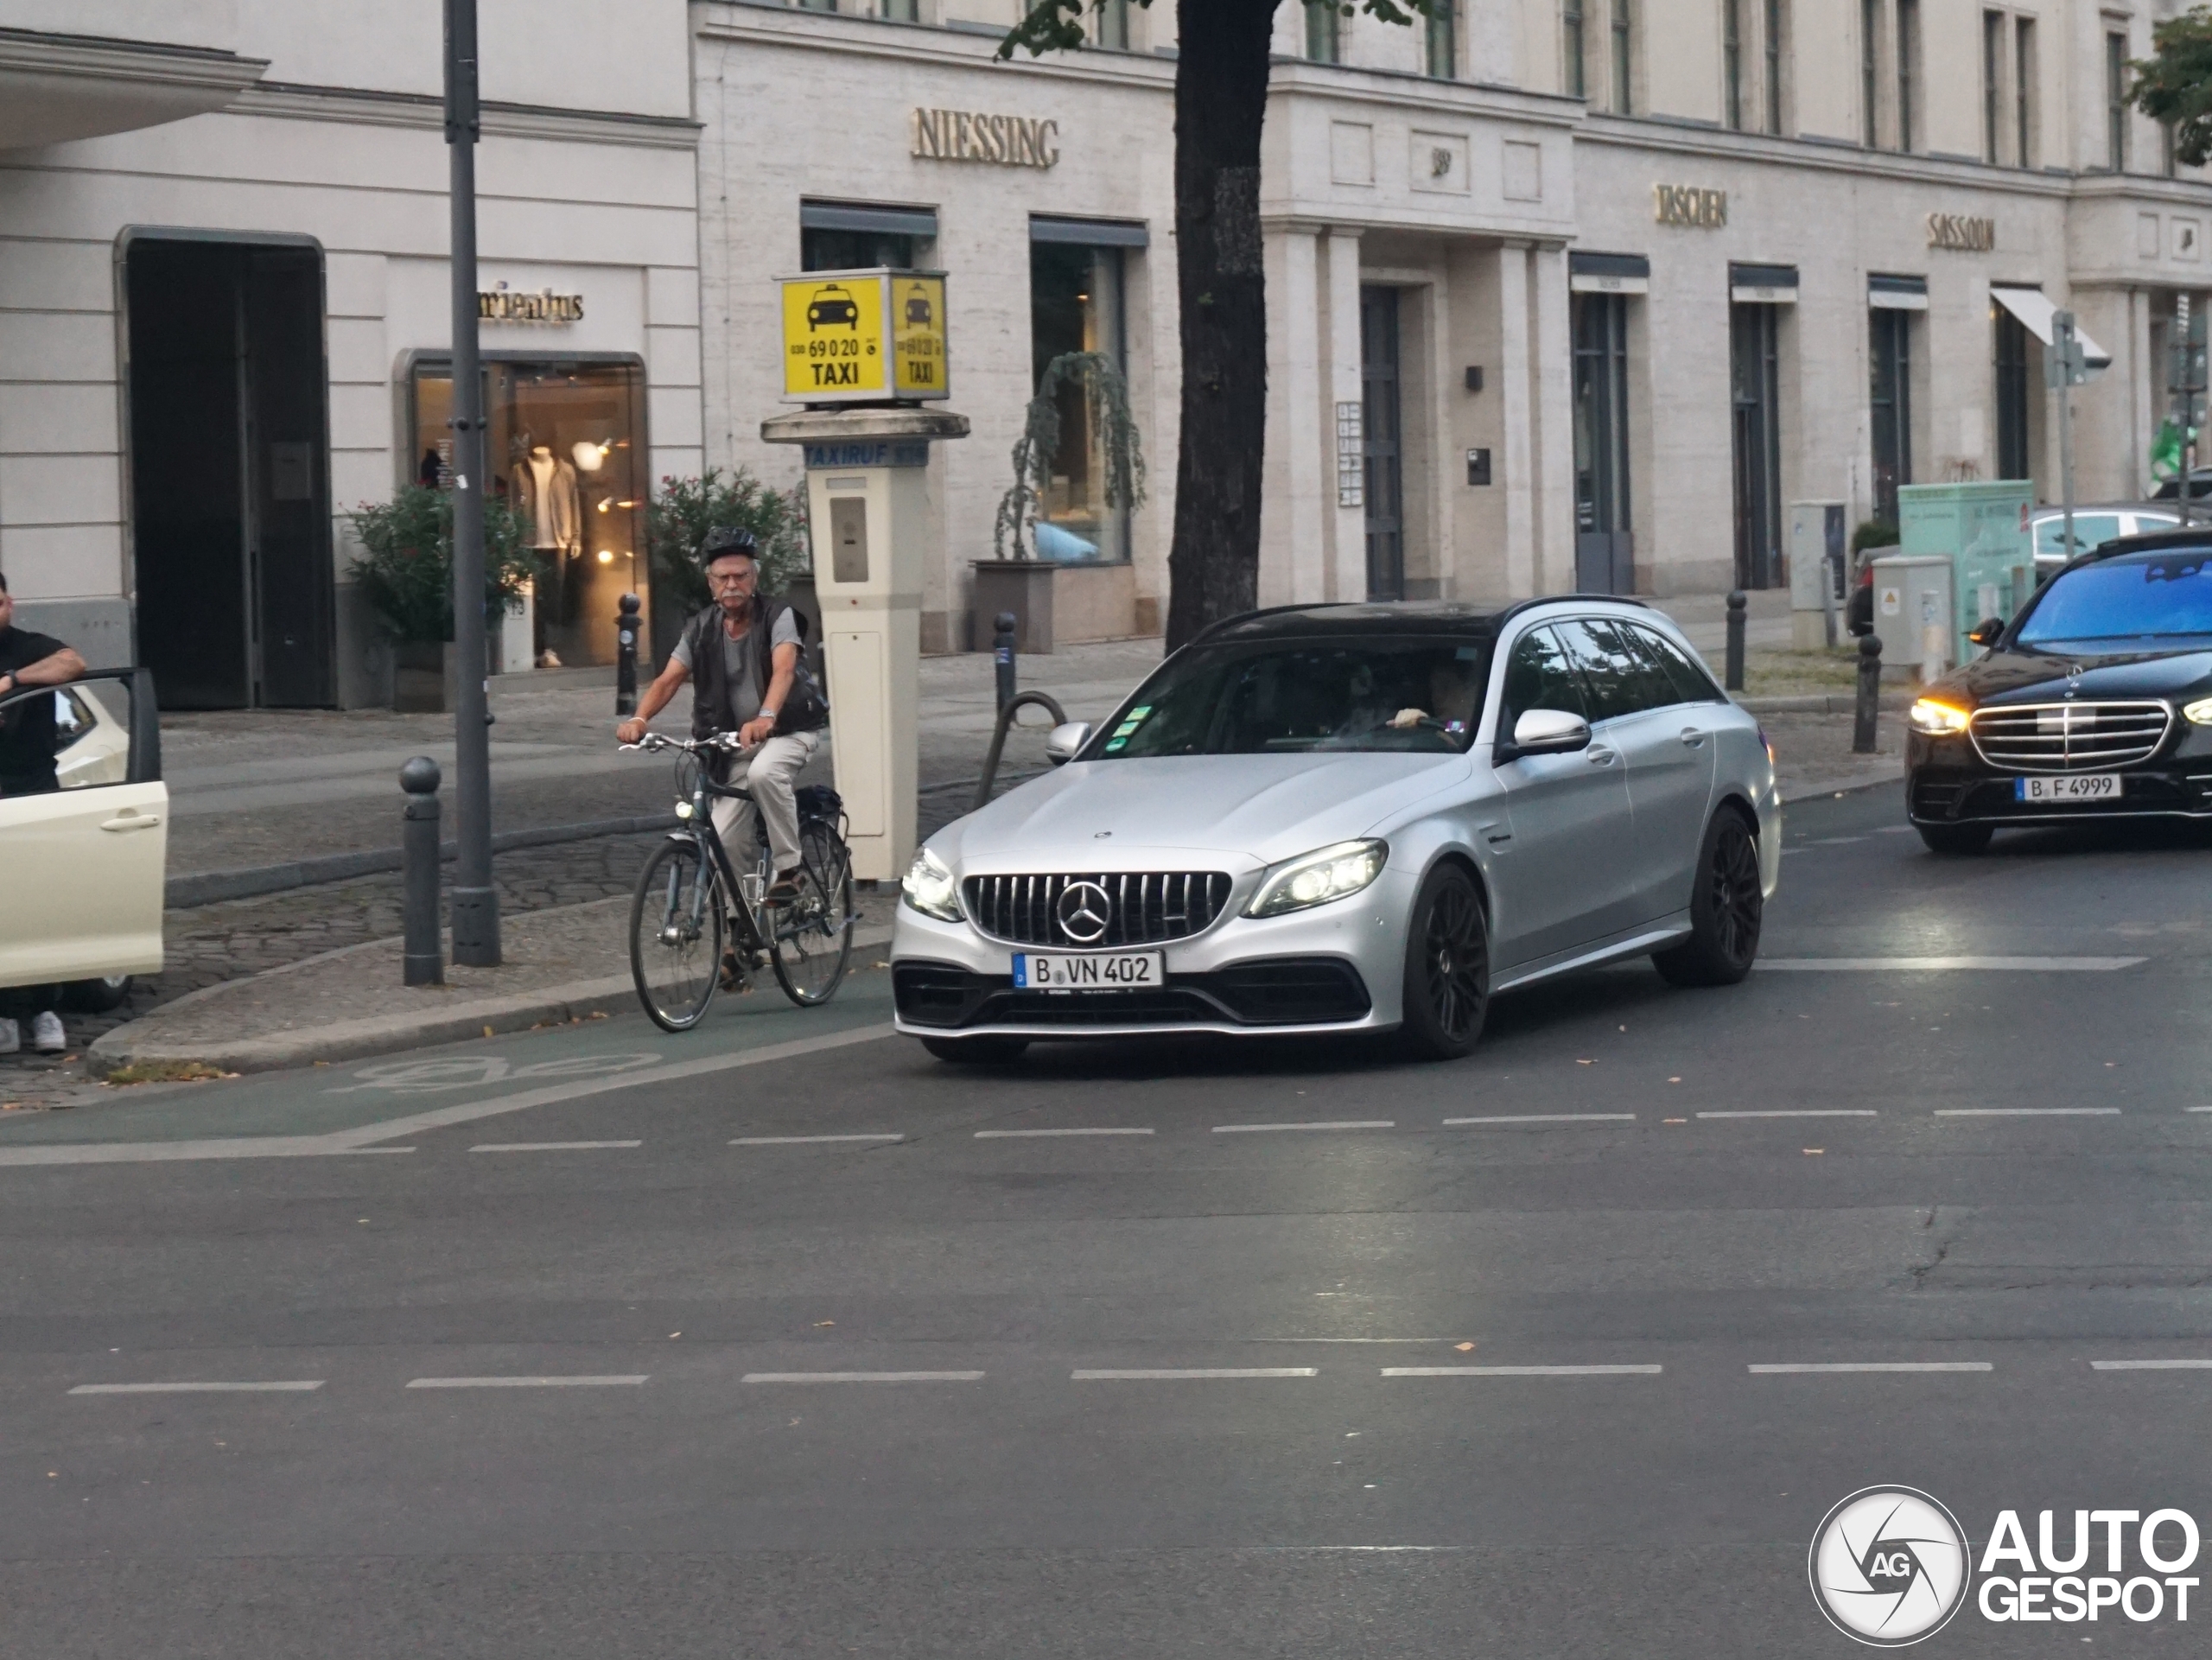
(1113,909)
(2069,737)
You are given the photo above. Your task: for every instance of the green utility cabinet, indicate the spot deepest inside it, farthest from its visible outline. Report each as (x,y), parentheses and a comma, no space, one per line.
(1983,529)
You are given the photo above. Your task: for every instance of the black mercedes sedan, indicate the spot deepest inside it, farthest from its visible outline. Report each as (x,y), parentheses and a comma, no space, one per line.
(2095,702)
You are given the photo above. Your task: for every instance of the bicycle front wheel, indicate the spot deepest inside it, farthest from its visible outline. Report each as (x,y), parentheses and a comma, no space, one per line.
(814,932)
(676,934)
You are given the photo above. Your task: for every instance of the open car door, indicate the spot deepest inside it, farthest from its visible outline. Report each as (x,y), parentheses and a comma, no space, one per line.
(82,866)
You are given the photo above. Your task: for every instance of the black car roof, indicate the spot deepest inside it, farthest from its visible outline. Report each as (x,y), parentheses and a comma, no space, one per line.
(1475,619)
(2197,536)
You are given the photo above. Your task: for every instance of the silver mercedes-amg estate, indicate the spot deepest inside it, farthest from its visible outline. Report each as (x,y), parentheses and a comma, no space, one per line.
(1347,817)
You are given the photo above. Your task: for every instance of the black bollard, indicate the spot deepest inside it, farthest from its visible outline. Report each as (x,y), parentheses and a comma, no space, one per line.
(418,857)
(1002,655)
(1736,604)
(1869,694)
(626,657)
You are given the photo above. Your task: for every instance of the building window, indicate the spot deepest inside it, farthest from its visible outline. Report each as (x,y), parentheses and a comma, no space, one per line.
(824,249)
(2024,92)
(1443,41)
(1993,87)
(1870,70)
(2011,365)
(1323,38)
(1732,62)
(817,5)
(1604,547)
(1908,69)
(1623,44)
(1756,423)
(1890,404)
(1576,53)
(564,447)
(1773,43)
(1113,25)
(1075,305)
(2116,101)
(903,11)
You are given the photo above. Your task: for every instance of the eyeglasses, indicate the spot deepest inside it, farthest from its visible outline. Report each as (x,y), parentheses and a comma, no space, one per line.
(735,579)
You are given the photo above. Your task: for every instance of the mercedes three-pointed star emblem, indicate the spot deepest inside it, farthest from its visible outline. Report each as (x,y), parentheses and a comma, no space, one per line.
(1082,911)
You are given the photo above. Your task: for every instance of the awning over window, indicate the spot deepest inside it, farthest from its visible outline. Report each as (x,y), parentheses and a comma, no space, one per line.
(1897,293)
(1771,285)
(1088,233)
(1608,273)
(883,220)
(2034,310)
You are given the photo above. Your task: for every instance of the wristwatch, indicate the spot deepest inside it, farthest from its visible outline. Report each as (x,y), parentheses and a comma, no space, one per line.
(770,714)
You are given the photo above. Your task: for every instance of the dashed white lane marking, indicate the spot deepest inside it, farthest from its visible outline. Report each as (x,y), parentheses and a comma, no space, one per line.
(287,1386)
(1870,1366)
(547,1146)
(2196,1109)
(1522,1372)
(1168,1373)
(1798,1112)
(1011,1135)
(1550,1118)
(1341,1123)
(524,1383)
(2151,1365)
(1945,964)
(859,1378)
(2027,1112)
(806,1141)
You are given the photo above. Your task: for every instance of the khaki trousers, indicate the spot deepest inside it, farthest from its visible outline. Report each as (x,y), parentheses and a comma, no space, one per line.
(771,772)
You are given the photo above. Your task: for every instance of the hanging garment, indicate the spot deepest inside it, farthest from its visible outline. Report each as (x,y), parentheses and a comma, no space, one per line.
(545,495)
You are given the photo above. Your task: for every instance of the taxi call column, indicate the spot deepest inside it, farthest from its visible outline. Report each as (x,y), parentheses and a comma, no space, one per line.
(867,491)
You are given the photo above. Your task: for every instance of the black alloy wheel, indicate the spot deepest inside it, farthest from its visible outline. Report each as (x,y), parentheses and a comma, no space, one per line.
(1447,967)
(978,1052)
(1955,839)
(1727,905)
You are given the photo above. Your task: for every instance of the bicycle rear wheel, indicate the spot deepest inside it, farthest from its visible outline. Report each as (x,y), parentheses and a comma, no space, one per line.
(814,933)
(676,934)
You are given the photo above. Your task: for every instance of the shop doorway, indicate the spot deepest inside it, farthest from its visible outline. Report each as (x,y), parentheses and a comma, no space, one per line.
(2013,367)
(1755,421)
(230,471)
(1889,400)
(1605,546)
(1385,480)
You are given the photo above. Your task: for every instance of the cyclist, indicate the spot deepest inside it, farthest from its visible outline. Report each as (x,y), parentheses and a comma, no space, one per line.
(743,657)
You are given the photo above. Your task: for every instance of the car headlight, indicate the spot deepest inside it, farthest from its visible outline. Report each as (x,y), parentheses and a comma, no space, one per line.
(2198,713)
(930,888)
(1937,719)
(1316,878)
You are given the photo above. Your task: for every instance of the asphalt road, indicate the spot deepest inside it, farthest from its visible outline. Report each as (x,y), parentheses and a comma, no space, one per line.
(2005,1176)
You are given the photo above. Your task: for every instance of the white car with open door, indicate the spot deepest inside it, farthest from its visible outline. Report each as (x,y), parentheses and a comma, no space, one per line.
(85,863)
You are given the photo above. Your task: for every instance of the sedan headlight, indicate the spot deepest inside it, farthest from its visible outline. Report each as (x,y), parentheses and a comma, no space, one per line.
(2198,713)
(1316,878)
(930,889)
(1937,719)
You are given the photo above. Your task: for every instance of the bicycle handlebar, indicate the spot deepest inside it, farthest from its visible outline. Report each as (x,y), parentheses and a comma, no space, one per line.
(727,741)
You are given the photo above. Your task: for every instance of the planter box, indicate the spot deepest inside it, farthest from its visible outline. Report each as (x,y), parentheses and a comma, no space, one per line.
(1054,605)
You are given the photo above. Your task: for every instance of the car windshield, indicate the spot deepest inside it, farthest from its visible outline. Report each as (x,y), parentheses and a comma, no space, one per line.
(2138,600)
(1304,695)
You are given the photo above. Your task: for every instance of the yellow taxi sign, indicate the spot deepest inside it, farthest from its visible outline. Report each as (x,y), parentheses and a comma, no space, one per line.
(864,336)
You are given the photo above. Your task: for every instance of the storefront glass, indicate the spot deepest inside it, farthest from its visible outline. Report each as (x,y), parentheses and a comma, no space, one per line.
(1075,305)
(566,442)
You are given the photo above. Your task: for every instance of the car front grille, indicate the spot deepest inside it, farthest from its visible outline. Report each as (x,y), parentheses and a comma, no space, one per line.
(1139,908)
(2069,737)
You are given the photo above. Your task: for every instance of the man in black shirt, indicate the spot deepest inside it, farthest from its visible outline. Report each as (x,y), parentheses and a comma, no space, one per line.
(30,661)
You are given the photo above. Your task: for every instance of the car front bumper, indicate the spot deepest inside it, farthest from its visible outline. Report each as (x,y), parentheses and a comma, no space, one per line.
(1334,968)
(1946,784)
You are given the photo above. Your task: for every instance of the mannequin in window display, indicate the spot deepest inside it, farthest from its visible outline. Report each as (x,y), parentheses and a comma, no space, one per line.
(546,494)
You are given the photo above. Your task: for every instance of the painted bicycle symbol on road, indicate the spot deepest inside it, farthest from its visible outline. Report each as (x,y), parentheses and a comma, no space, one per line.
(474,1072)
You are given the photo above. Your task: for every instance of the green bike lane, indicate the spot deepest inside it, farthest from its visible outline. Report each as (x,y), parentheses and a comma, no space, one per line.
(354,1106)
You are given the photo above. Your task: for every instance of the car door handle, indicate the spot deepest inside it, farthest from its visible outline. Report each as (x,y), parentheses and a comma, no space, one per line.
(1692,737)
(1603,757)
(131,822)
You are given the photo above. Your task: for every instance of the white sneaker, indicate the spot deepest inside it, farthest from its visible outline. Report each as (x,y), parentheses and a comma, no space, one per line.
(47,1035)
(11,1038)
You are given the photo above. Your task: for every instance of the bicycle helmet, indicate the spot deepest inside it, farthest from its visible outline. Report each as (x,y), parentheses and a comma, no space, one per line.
(727,539)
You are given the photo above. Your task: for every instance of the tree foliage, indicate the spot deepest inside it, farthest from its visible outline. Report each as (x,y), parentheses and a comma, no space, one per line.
(684,509)
(2174,84)
(1107,396)
(405,570)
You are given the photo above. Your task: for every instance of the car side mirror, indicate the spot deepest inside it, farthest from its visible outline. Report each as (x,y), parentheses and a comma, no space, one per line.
(1987,632)
(1061,744)
(1548,732)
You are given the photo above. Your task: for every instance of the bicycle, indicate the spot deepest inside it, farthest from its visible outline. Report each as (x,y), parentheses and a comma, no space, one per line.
(691,899)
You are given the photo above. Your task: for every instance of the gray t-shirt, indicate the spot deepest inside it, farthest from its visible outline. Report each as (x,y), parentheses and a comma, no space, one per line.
(737,663)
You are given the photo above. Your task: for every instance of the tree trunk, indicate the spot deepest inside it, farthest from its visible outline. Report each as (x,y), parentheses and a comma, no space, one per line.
(1221,99)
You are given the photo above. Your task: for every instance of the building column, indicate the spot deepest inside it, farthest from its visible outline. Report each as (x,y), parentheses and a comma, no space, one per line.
(1552,391)
(1516,464)
(1291,512)
(1344,575)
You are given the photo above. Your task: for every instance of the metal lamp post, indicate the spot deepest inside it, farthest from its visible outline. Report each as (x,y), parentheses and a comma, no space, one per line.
(475,901)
